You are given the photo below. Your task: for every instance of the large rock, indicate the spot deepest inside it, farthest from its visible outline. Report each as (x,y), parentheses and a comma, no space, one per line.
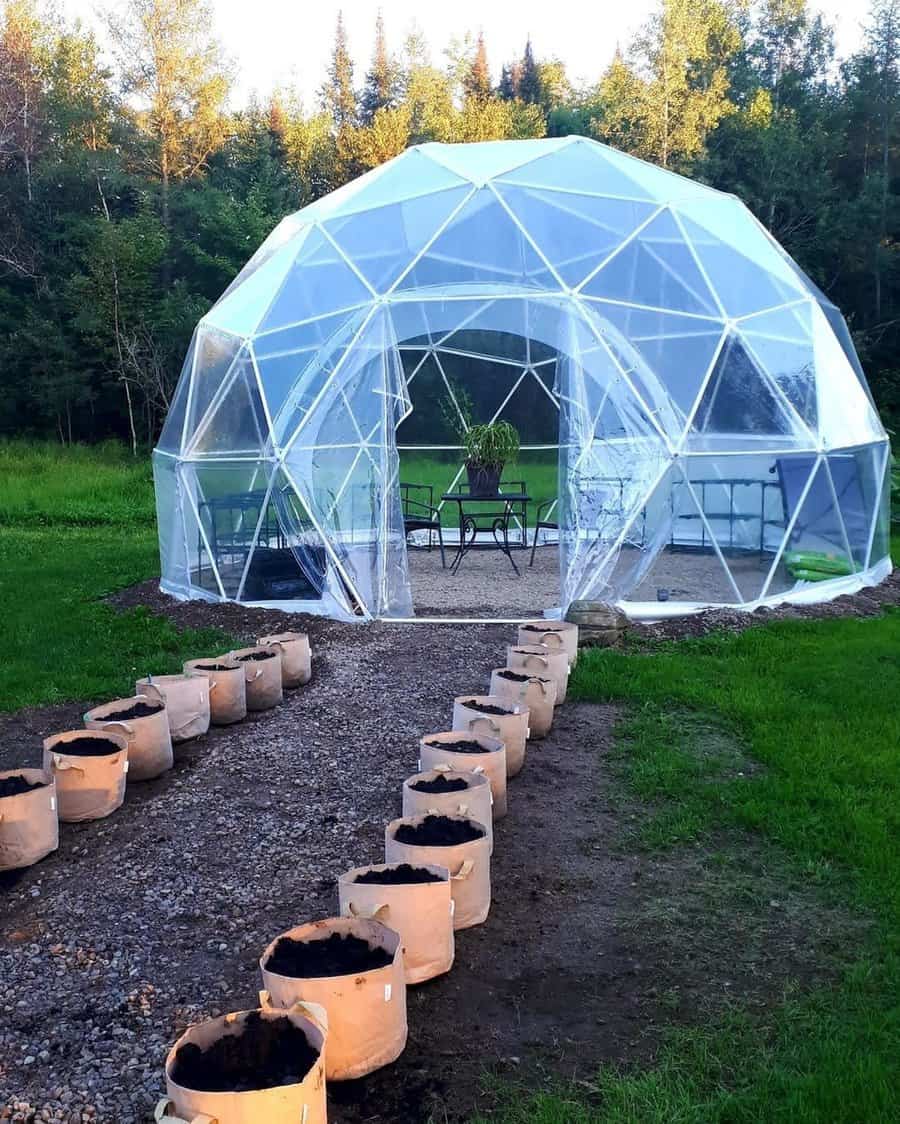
(596,616)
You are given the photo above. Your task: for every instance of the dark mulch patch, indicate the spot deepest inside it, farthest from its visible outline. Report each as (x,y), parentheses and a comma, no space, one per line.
(268,1053)
(402,875)
(256,657)
(439,831)
(15,786)
(486,708)
(87,747)
(461,745)
(136,710)
(442,784)
(340,954)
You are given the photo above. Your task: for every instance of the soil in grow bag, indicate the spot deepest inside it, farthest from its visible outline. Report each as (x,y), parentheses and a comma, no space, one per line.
(15,786)
(515,676)
(89,747)
(462,745)
(341,954)
(541,628)
(138,710)
(439,831)
(402,875)
(441,784)
(269,1052)
(212,667)
(257,656)
(486,708)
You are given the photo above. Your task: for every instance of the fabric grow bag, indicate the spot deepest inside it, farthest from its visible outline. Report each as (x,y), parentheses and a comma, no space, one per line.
(187,702)
(536,692)
(475,801)
(296,657)
(436,751)
(29,824)
(87,787)
(227,688)
(149,739)
(511,727)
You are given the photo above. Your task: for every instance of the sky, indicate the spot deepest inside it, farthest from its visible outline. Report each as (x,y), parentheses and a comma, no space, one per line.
(287,43)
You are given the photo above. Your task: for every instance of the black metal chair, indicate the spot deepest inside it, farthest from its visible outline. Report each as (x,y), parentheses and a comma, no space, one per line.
(542,524)
(421,516)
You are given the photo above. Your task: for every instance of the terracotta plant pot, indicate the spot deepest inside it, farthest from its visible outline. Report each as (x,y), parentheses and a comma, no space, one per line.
(537,692)
(279,1104)
(148,738)
(29,825)
(89,786)
(187,702)
(366,1009)
(475,800)
(510,725)
(469,864)
(262,672)
(443,751)
(541,660)
(227,688)
(296,657)
(555,634)
(421,912)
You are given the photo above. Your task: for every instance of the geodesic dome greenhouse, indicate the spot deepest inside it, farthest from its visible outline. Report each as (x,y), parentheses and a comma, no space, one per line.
(694,400)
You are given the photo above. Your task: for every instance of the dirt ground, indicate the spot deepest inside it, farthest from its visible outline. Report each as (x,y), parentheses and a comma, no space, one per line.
(147,921)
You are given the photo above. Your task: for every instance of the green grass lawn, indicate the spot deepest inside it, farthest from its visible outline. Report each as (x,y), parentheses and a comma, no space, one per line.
(818,703)
(76,524)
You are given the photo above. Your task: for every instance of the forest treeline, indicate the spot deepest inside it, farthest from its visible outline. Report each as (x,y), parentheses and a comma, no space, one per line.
(132,190)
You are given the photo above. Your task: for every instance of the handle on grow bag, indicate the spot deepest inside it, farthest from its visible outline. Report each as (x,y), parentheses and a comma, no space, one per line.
(464,871)
(60,764)
(370,912)
(532,657)
(492,725)
(162,1115)
(558,641)
(151,686)
(315,1012)
(108,728)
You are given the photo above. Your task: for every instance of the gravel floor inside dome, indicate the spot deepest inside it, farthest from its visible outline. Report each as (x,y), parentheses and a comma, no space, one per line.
(155,918)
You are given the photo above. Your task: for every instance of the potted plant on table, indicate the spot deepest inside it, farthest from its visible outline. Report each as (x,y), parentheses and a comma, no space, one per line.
(489,448)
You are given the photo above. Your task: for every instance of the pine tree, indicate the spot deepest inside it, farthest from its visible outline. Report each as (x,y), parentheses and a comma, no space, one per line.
(477,83)
(338,96)
(382,80)
(530,88)
(510,76)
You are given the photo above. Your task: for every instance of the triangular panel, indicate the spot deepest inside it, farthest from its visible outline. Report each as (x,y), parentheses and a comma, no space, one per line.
(482,245)
(381,243)
(781,342)
(740,410)
(319,282)
(574,232)
(655,269)
(215,354)
(856,475)
(580,167)
(236,421)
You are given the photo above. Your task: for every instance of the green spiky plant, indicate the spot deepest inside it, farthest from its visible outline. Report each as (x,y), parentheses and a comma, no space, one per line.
(488,448)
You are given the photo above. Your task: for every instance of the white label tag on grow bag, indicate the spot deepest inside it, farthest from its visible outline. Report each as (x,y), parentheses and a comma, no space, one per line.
(387,993)
(127,763)
(52,803)
(527,732)
(452,907)
(419,765)
(304,1116)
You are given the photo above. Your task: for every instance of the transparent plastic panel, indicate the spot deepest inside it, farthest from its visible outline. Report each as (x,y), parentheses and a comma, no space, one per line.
(319,282)
(574,232)
(381,243)
(407,176)
(436,418)
(740,516)
(244,305)
(584,167)
(665,559)
(215,356)
(482,245)
(656,182)
(283,357)
(842,333)
(657,269)
(881,534)
(289,228)
(857,475)
(173,551)
(482,161)
(235,421)
(170,440)
(781,342)
(667,356)
(746,272)
(229,500)
(816,548)
(741,411)
(532,407)
(846,414)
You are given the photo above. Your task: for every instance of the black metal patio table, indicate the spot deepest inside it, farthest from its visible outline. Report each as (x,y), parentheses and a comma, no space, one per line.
(501,510)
